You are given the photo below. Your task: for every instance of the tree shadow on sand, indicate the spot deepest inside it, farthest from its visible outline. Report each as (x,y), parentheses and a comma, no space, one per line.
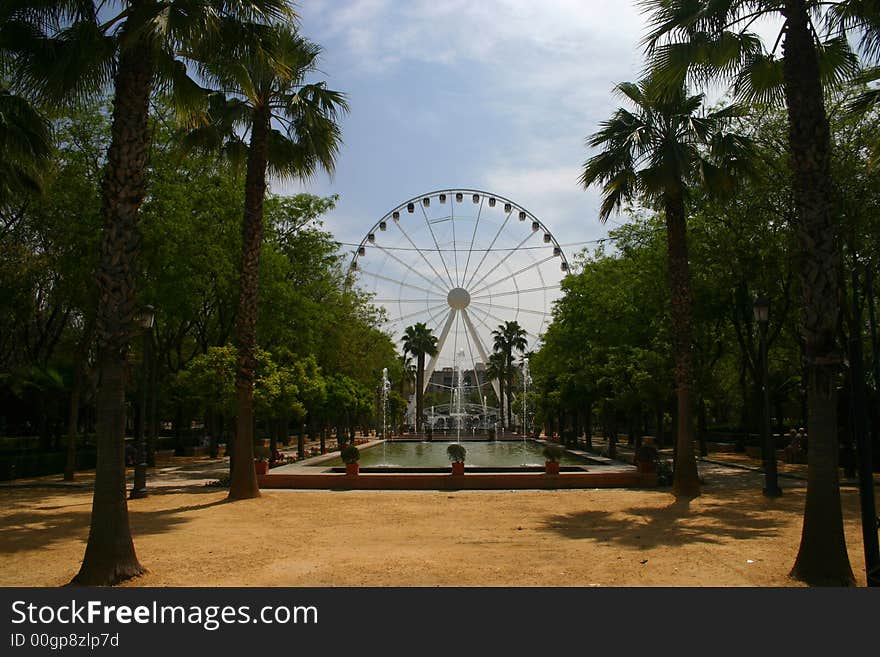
(673,525)
(26,530)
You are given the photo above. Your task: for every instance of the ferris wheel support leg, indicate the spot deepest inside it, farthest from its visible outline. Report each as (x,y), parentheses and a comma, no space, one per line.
(440,342)
(476,338)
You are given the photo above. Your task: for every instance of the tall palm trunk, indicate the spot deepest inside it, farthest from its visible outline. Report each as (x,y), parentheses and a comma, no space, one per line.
(243,479)
(501,399)
(420,387)
(822,557)
(687,482)
(110,555)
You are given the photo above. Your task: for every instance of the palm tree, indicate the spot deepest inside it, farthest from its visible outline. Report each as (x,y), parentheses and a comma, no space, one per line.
(25,146)
(711,41)
(293,131)
(496,369)
(419,341)
(408,374)
(653,154)
(507,338)
(64,51)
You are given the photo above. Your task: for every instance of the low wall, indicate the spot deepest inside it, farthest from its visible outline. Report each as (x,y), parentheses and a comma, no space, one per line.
(472,481)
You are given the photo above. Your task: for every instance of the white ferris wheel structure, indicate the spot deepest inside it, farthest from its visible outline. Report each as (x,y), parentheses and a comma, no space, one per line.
(463,262)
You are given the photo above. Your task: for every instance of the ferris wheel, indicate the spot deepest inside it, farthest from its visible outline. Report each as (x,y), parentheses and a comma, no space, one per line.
(461,261)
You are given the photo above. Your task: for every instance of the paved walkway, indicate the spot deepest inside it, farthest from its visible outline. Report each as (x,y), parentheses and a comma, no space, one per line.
(794,471)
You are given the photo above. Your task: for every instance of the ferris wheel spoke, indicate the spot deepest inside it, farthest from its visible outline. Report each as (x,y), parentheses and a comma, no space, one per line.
(455,341)
(503,294)
(522,310)
(412,269)
(543,319)
(473,237)
(537,263)
(504,259)
(421,253)
(431,300)
(454,245)
(489,248)
(473,360)
(397,282)
(478,343)
(421,312)
(501,321)
(436,320)
(429,370)
(436,245)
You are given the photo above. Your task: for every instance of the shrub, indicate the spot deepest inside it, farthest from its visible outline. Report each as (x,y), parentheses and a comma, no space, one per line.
(456,452)
(222,482)
(553,452)
(350,454)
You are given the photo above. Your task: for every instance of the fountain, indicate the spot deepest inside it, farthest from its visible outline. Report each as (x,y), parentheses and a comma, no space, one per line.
(459,393)
(525,376)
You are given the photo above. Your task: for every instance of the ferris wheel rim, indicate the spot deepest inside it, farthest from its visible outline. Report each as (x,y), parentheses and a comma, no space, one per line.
(455,190)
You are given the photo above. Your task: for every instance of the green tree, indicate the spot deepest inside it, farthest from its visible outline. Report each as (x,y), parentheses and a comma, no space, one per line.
(25,149)
(712,40)
(419,341)
(652,155)
(261,82)
(68,49)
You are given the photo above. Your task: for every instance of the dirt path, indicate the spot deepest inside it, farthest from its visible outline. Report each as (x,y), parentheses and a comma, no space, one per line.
(186,534)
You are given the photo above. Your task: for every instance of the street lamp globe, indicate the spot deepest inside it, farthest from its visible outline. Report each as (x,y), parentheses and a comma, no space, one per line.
(147,317)
(761,309)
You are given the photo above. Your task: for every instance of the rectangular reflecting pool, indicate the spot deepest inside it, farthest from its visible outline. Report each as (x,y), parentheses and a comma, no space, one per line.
(489,454)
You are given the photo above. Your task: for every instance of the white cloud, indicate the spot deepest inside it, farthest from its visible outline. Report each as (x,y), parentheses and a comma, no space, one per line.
(516,86)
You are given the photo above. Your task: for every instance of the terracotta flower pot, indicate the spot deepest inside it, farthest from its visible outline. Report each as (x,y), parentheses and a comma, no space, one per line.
(352,468)
(551,467)
(262,467)
(458,467)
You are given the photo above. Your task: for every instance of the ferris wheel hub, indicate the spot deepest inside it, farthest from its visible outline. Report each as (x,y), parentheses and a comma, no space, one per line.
(458,298)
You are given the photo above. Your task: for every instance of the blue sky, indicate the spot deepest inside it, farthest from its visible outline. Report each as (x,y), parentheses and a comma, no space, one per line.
(496,95)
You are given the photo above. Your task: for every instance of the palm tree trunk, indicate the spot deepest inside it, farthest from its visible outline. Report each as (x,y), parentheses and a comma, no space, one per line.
(501,399)
(243,480)
(686,483)
(822,557)
(110,555)
(420,386)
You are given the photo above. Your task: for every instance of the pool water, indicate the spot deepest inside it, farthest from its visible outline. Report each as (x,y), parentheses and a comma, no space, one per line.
(433,455)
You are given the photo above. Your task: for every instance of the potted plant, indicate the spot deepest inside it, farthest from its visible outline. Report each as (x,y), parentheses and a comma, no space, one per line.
(456,453)
(646,458)
(350,456)
(552,454)
(261,460)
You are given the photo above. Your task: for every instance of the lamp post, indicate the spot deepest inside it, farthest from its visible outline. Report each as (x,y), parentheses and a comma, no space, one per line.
(863,442)
(771,483)
(139,488)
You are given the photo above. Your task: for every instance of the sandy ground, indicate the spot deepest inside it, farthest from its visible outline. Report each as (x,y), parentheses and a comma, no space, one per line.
(186,534)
